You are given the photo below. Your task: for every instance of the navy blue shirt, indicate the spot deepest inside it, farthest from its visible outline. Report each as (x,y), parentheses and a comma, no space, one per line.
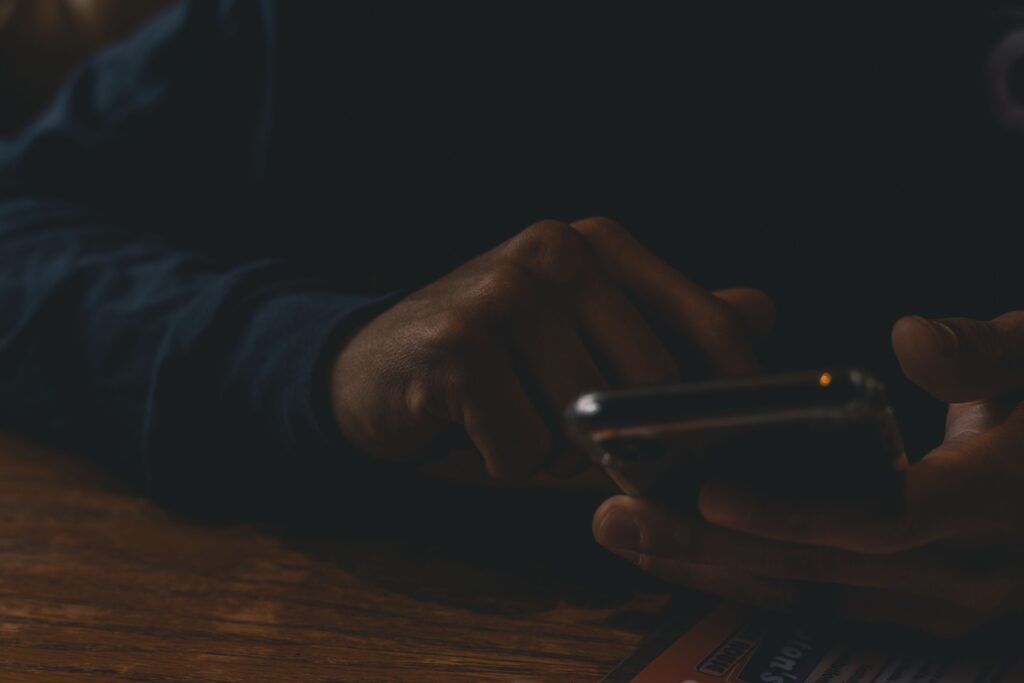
(209,207)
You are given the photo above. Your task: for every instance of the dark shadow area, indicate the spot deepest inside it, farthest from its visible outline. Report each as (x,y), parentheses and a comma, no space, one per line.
(506,552)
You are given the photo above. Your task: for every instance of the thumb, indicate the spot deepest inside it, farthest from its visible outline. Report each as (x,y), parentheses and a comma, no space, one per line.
(960,359)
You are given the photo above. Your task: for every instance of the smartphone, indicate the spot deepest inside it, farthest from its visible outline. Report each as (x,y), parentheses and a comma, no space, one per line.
(802,427)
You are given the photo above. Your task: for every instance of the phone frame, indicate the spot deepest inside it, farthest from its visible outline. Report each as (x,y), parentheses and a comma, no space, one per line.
(835,396)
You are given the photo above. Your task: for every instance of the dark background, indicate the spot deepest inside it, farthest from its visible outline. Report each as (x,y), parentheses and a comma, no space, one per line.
(840,155)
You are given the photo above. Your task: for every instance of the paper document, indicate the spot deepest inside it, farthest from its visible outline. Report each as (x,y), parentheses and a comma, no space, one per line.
(734,644)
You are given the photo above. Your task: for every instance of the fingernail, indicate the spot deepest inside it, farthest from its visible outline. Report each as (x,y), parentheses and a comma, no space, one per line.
(945,337)
(620,532)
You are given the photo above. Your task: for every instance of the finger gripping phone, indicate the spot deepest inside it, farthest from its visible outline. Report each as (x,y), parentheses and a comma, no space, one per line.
(808,426)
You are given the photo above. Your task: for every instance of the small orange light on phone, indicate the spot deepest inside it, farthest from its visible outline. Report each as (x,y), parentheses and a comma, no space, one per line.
(825,379)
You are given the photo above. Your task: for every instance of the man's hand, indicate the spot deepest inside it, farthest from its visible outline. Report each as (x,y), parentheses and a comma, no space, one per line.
(950,560)
(496,350)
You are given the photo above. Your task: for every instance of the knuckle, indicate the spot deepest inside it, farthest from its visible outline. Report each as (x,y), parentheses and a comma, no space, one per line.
(421,399)
(550,249)
(504,285)
(455,329)
(598,227)
(467,336)
(503,279)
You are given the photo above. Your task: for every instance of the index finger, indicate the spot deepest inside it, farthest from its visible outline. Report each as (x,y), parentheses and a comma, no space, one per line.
(710,325)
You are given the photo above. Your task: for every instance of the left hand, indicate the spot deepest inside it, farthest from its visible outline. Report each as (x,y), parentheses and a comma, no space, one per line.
(951,560)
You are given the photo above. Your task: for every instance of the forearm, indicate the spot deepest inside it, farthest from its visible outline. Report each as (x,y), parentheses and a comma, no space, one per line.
(180,372)
(133,324)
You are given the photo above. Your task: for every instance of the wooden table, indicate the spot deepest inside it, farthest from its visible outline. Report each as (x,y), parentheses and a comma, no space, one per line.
(405,584)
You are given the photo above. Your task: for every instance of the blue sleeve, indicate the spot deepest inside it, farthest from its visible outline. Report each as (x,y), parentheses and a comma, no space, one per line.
(121,339)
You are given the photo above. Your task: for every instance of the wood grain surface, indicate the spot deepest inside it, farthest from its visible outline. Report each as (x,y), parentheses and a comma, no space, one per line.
(392,583)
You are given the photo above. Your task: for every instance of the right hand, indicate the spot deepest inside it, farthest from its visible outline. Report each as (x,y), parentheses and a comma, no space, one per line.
(498,348)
